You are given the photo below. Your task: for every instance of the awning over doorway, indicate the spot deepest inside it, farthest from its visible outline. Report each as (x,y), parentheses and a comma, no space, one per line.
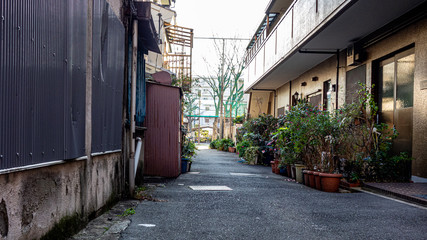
(147,34)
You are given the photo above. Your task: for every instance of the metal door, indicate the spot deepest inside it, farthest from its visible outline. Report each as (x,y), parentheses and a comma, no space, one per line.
(396,97)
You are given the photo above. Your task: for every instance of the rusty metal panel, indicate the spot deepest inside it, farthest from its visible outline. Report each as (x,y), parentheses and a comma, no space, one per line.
(162,147)
(108,75)
(42,70)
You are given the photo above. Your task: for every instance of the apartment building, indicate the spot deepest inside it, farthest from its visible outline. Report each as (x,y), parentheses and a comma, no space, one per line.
(320,49)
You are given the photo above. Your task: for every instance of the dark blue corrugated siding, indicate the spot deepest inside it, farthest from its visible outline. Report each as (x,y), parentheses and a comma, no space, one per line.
(140,82)
(108,75)
(42,81)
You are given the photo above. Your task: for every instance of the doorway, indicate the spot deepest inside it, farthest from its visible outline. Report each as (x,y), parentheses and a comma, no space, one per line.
(396,97)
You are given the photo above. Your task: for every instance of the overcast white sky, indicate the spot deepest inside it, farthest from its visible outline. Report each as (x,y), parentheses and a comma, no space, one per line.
(219,18)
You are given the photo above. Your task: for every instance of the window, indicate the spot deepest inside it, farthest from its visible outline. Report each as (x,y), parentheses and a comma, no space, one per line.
(206,120)
(281,111)
(352,79)
(207,108)
(315,100)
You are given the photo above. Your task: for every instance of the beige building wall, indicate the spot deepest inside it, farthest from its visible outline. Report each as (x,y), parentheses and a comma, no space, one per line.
(282,99)
(324,71)
(259,103)
(415,34)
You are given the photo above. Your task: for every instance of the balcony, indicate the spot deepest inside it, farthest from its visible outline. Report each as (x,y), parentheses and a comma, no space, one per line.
(274,55)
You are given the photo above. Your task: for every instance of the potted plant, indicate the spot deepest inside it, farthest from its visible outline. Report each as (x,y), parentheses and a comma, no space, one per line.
(294,138)
(187,153)
(251,155)
(242,146)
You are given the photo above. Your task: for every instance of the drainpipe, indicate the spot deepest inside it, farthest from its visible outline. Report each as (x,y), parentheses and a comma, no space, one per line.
(338,75)
(132,165)
(290,95)
(137,153)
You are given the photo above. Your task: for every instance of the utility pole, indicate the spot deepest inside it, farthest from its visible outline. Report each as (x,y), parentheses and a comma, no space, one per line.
(222,85)
(231,110)
(221,104)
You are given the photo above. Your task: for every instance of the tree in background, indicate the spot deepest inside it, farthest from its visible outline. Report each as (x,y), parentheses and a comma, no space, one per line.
(191,106)
(225,78)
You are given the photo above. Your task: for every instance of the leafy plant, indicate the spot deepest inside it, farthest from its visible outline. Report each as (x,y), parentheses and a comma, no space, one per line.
(213,143)
(298,135)
(257,132)
(127,212)
(251,154)
(188,149)
(224,144)
(239,119)
(366,145)
(242,146)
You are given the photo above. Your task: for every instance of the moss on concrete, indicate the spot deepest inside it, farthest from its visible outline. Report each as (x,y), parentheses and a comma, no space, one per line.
(70,225)
(65,228)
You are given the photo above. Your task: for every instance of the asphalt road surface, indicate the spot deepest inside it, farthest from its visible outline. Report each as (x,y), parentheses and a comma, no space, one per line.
(263,205)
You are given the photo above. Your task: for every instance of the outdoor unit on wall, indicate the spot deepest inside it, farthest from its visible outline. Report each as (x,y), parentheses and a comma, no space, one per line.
(355,55)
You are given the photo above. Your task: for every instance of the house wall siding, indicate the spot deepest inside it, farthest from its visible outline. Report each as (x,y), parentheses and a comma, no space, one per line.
(33,199)
(413,34)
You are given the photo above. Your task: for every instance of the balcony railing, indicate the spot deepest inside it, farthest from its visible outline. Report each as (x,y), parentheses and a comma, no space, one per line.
(299,22)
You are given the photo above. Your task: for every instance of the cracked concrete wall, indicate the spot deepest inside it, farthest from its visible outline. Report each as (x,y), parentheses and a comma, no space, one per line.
(32,201)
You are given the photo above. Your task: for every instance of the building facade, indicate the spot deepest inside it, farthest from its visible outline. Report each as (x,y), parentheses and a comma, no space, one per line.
(72,95)
(208,109)
(320,50)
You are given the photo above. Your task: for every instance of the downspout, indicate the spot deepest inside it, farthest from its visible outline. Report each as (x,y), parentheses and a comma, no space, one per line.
(338,75)
(290,95)
(132,166)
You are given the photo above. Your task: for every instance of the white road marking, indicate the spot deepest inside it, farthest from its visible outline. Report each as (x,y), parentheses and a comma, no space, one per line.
(147,225)
(210,188)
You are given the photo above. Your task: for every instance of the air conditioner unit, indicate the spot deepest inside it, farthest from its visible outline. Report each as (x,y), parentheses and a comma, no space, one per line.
(355,55)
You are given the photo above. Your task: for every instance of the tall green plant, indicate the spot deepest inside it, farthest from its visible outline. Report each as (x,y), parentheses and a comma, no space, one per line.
(366,145)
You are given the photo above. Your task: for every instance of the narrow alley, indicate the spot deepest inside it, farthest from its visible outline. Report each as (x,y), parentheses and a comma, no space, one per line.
(253,203)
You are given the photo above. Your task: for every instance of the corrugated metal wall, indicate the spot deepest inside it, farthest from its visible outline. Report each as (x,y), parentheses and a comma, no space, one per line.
(108,75)
(162,147)
(42,81)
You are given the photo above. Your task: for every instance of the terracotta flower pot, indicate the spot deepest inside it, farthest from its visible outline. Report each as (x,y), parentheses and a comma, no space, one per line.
(232,149)
(317,180)
(289,170)
(311,180)
(306,179)
(345,184)
(330,181)
(276,169)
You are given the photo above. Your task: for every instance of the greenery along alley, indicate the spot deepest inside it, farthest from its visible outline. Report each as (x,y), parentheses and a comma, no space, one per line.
(348,141)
